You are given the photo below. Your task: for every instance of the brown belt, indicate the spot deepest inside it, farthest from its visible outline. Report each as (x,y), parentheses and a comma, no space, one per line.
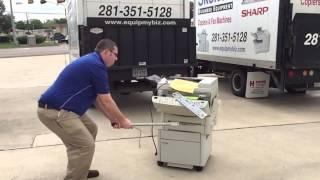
(45,106)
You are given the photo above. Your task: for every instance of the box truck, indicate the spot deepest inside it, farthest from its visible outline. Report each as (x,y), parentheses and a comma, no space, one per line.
(278,37)
(154,37)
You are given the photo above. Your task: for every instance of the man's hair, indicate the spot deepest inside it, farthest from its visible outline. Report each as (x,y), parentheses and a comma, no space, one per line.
(105,44)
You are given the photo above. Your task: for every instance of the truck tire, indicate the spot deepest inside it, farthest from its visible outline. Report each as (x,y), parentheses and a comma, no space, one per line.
(295,91)
(239,83)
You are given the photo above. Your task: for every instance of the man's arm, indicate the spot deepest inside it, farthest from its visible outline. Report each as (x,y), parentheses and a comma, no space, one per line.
(109,108)
(98,105)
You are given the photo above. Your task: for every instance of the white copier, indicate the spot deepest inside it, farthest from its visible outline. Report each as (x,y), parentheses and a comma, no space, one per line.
(261,41)
(189,144)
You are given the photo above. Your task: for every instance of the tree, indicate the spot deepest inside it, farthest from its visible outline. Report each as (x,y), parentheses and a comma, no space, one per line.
(5,24)
(2,8)
(49,24)
(191,9)
(20,25)
(32,24)
(60,21)
(36,24)
(5,20)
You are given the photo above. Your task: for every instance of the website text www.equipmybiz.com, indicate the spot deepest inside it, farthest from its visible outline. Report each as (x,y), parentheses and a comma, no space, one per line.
(228,49)
(141,22)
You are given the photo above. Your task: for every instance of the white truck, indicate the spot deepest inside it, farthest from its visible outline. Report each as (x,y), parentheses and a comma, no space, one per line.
(153,37)
(278,37)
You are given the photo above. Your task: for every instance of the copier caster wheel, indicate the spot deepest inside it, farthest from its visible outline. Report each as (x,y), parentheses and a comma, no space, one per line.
(160,163)
(198,168)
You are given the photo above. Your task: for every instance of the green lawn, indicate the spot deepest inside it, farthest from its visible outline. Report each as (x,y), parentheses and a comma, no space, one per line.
(12,45)
(7,45)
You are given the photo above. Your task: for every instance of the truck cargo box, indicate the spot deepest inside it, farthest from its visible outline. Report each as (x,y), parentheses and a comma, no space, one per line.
(278,37)
(153,37)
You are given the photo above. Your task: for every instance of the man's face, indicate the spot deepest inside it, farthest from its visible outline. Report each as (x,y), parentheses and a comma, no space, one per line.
(110,56)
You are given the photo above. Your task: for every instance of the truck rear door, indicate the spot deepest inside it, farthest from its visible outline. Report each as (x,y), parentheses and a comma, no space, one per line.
(306,29)
(153,36)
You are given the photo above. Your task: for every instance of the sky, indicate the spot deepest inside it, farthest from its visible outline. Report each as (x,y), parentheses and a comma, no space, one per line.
(21,9)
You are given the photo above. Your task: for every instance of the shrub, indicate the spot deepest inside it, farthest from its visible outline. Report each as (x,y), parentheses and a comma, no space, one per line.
(10,37)
(40,39)
(22,39)
(4,38)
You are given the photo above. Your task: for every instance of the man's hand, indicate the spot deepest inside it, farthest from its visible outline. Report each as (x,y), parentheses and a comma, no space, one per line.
(112,112)
(115,125)
(125,123)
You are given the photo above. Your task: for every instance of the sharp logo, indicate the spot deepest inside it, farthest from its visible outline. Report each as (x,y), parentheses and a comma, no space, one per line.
(254,12)
(251,1)
(96,30)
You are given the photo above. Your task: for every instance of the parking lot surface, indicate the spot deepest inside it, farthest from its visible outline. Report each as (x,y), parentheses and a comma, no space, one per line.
(274,138)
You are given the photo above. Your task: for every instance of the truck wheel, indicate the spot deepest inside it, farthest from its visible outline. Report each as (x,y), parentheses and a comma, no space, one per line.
(295,91)
(125,93)
(239,83)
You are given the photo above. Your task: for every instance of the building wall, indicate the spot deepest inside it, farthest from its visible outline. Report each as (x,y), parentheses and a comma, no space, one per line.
(59,28)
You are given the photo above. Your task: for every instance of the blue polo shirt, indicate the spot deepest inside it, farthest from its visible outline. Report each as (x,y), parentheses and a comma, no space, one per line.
(77,86)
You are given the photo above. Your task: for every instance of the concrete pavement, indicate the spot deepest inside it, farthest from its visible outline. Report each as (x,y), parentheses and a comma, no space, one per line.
(250,154)
(34,51)
(255,139)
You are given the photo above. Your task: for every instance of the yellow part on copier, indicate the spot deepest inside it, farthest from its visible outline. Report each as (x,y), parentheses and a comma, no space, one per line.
(183,85)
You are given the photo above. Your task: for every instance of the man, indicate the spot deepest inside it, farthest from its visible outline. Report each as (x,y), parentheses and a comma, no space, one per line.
(62,107)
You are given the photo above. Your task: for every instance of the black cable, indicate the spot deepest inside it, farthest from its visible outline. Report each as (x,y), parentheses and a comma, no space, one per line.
(157,89)
(152,136)
(140,134)
(161,86)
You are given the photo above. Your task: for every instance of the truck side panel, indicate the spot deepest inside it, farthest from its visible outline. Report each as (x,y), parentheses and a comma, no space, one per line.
(238,32)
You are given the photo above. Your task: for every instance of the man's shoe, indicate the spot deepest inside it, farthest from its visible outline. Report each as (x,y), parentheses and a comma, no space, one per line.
(93,173)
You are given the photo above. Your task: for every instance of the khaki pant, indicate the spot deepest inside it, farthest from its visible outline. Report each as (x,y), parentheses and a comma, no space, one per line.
(78,135)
